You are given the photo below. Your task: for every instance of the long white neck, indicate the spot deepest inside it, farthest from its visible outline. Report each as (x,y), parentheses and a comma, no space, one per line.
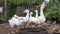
(30,14)
(37,14)
(41,12)
(27,15)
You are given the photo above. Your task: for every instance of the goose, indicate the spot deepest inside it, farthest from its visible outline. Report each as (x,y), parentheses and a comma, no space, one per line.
(27,15)
(14,21)
(26,18)
(32,19)
(41,18)
(15,18)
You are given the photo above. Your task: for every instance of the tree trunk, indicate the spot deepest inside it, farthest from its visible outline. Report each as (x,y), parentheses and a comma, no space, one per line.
(6,11)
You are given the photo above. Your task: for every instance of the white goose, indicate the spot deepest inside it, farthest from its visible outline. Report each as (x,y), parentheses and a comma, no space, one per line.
(33,19)
(26,18)
(41,18)
(14,21)
(30,19)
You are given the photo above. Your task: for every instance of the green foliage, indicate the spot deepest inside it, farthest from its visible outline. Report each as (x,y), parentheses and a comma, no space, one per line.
(21,2)
(11,11)
(53,9)
(39,1)
(2,17)
(1,2)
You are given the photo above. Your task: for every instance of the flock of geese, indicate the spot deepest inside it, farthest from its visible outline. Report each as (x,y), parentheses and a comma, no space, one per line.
(17,20)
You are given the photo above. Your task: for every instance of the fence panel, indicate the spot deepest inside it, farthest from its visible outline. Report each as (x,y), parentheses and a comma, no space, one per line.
(31,8)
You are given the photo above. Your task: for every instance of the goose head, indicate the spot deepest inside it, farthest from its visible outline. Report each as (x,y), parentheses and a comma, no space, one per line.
(27,11)
(46,2)
(36,11)
(31,13)
(15,16)
(43,5)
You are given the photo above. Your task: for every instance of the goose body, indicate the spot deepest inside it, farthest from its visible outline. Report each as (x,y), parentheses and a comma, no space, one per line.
(11,23)
(14,21)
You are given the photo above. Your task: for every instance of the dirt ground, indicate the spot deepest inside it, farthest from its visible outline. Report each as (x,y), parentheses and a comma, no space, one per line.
(5,29)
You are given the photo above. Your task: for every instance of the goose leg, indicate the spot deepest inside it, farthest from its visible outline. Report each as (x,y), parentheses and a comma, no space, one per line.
(12,30)
(17,28)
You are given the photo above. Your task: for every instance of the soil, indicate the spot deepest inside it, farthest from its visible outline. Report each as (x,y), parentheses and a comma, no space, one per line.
(5,29)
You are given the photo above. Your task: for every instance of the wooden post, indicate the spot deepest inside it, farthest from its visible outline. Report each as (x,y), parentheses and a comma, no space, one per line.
(6,11)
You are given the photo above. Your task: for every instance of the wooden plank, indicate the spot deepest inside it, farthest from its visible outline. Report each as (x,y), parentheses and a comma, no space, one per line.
(33,31)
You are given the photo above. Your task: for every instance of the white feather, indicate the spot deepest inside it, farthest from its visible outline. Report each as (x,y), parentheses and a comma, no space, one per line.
(33,19)
(14,21)
(41,18)
(26,18)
